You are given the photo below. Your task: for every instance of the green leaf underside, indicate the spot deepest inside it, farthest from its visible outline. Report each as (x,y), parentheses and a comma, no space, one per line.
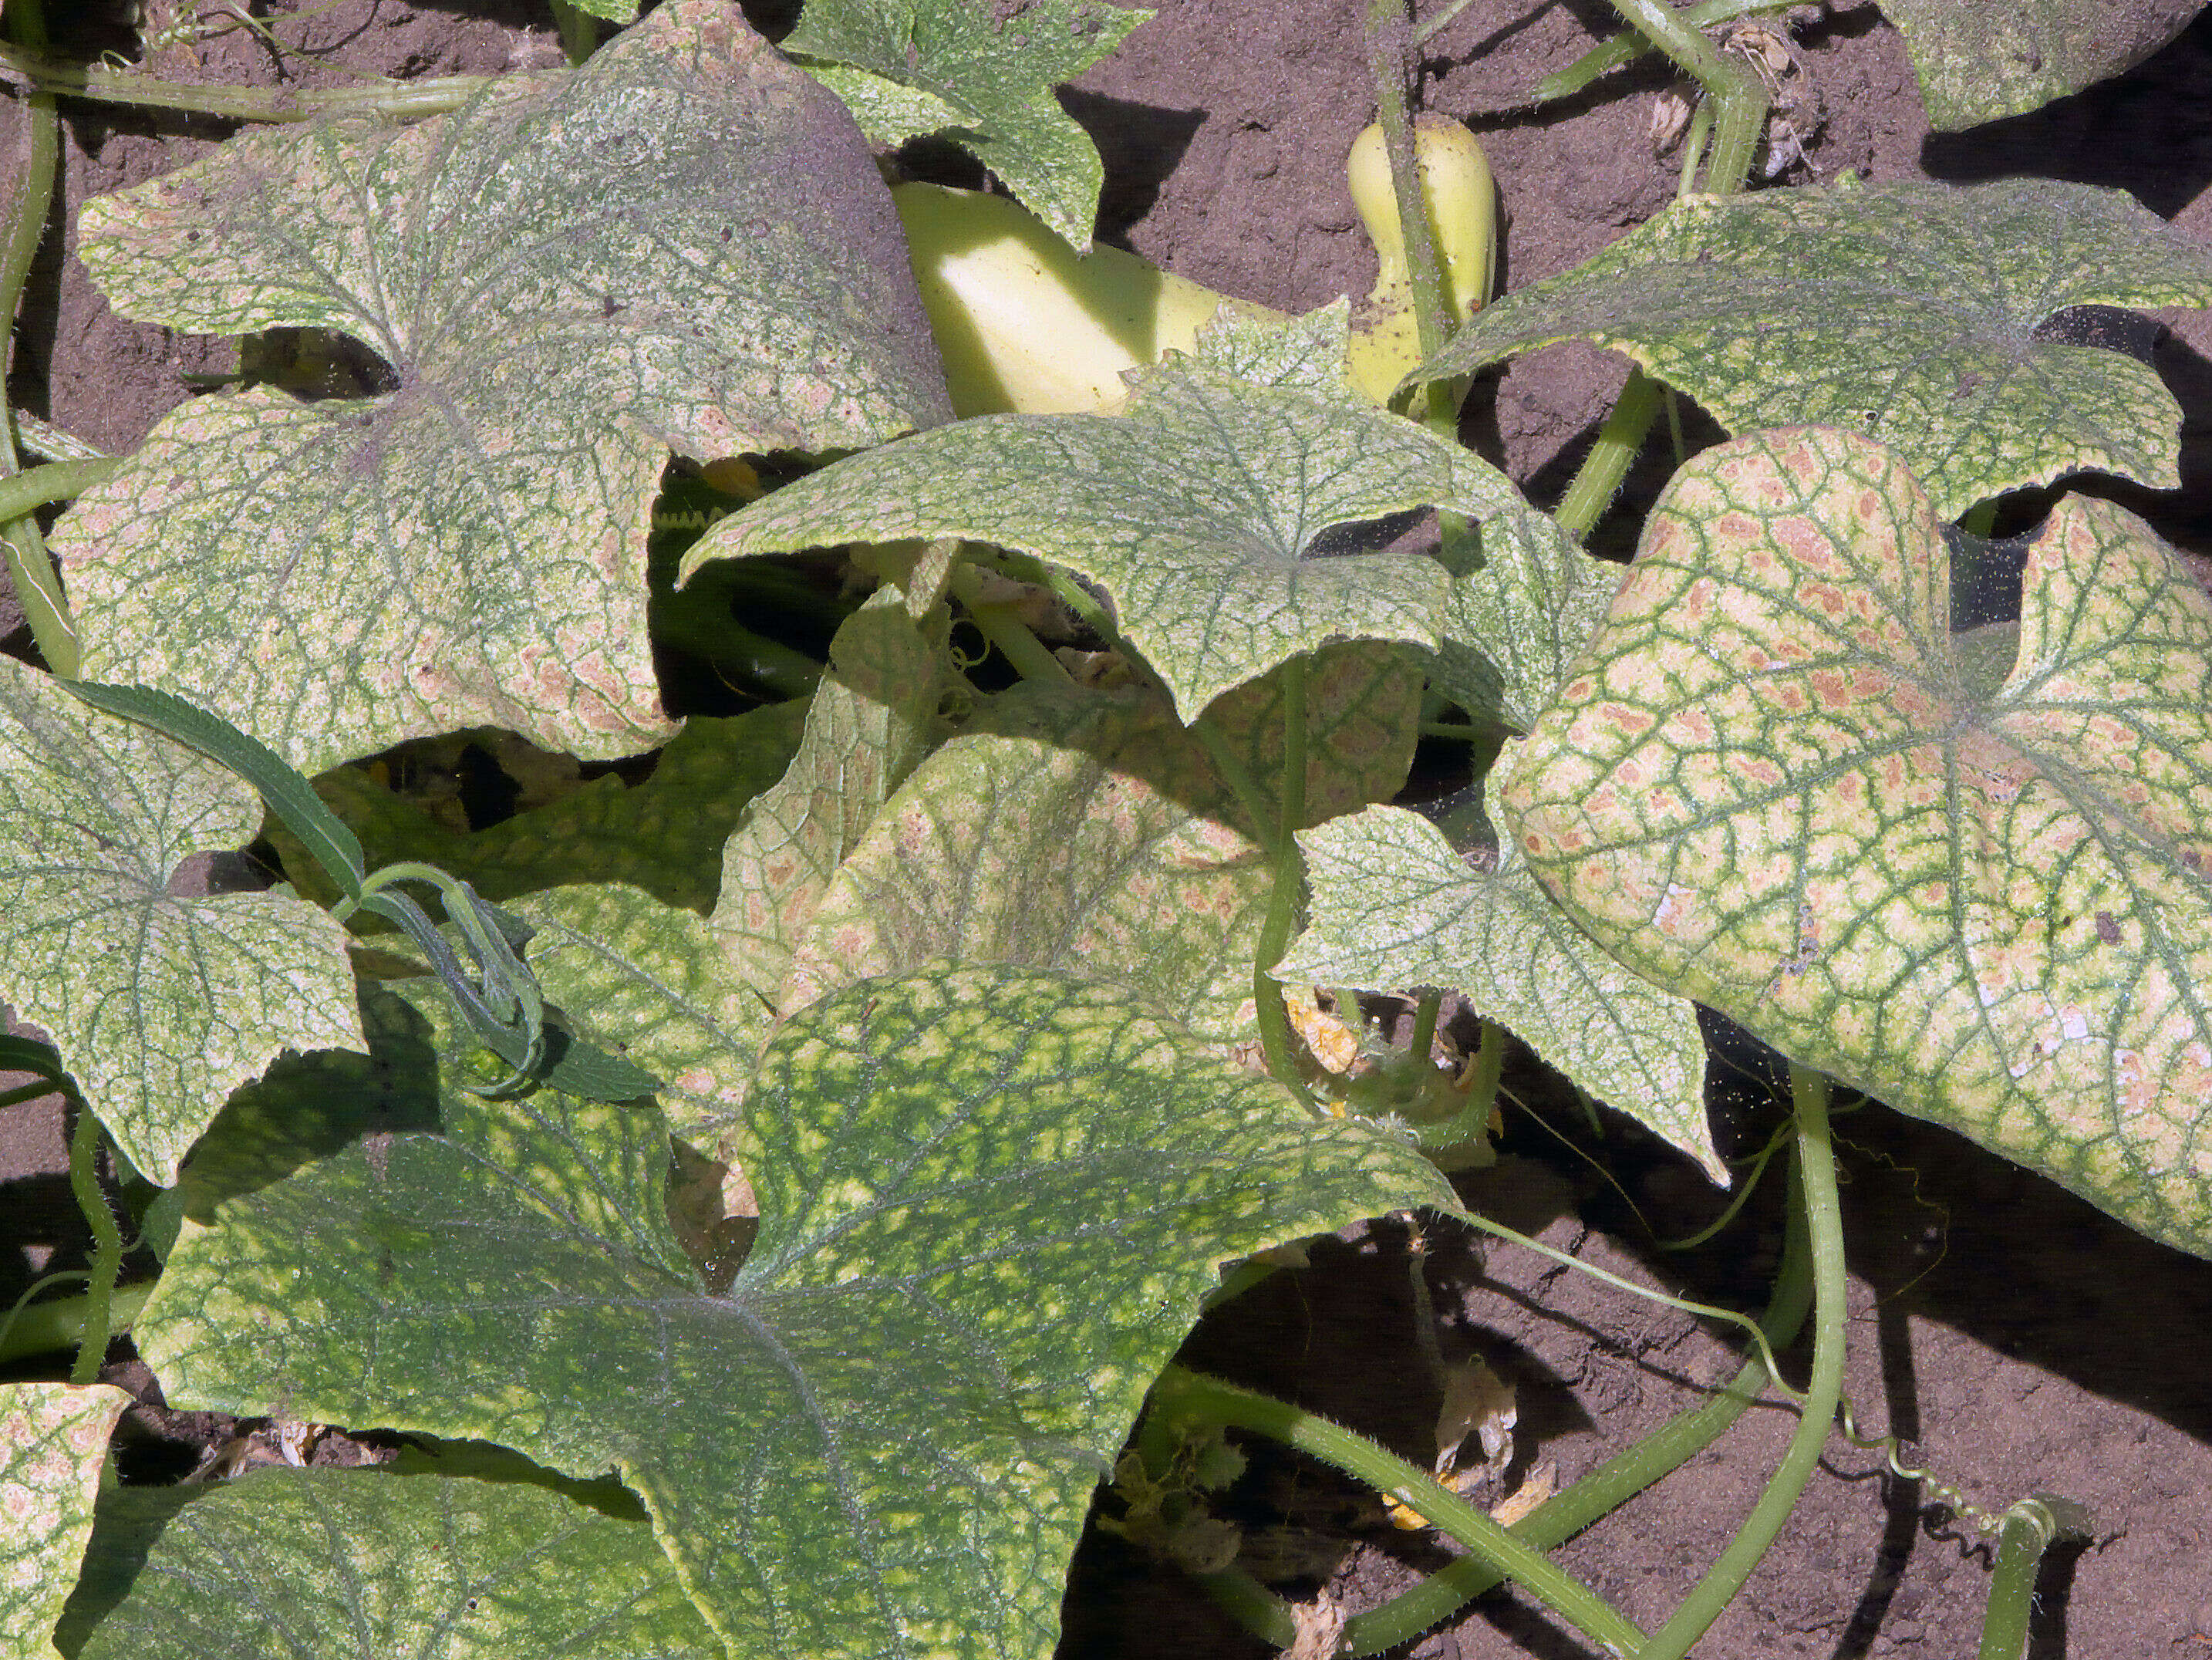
(1088,832)
(1978,63)
(565,279)
(159,1004)
(870,723)
(317,1562)
(991,69)
(664,834)
(1196,510)
(53,1438)
(1906,310)
(1394,907)
(1775,788)
(1019,1187)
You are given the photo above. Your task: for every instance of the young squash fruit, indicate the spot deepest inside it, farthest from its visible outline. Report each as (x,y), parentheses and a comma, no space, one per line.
(1025,323)
(1460,198)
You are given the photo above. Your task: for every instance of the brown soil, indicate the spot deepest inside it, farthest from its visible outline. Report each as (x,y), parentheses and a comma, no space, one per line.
(2025,1342)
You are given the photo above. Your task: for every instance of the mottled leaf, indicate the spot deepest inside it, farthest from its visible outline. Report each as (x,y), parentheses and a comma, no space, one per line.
(664,834)
(53,1438)
(682,244)
(1200,511)
(1089,832)
(160,1003)
(871,720)
(982,72)
(1525,598)
(316,1563)
(1978,63)
(991,1203)
(655,984)
(1781,787)
(1907,310)
(1395,908)
(1305,352)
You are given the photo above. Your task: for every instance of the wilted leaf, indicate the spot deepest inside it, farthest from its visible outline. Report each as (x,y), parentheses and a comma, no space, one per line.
(682,244)
(53,1438)
(1780,786)
(1017,1186)
(1200,511)
(1977,62)
(159,1003)
(982,72)
(318,1563)
(1907,310)
(1395,908)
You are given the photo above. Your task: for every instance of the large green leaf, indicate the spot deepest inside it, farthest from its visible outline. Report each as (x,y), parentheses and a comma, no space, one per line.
(981,72)
(324,1563)
(160,1003)
(1089,832)
(1980,889)
(664,834)
(1395,907)
(1977,62)
(991,1203)
(1200,511)
(53,1438)
(1906,309)
(683,244)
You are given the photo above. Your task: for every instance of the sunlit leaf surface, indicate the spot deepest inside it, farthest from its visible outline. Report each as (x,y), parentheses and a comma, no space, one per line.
(1907,310)
(1978,889)
(681,244)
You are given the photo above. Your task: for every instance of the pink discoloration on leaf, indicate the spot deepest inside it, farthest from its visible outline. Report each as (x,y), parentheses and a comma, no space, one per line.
(1842,760)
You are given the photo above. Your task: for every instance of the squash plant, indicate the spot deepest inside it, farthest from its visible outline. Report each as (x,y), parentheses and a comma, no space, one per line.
(774,1186)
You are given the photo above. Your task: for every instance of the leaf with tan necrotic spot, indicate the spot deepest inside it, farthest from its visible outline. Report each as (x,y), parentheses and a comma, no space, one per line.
(1980,890)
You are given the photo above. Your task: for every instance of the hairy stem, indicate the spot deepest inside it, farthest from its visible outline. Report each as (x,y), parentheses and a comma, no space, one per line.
(1736,93)
(107,1245)
(1389,50)
(1275,1036)
(1184,1396)
(1816,1171)
(392,101)
(30,567)
(1602,469)
(1623,49)
(42,1327)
